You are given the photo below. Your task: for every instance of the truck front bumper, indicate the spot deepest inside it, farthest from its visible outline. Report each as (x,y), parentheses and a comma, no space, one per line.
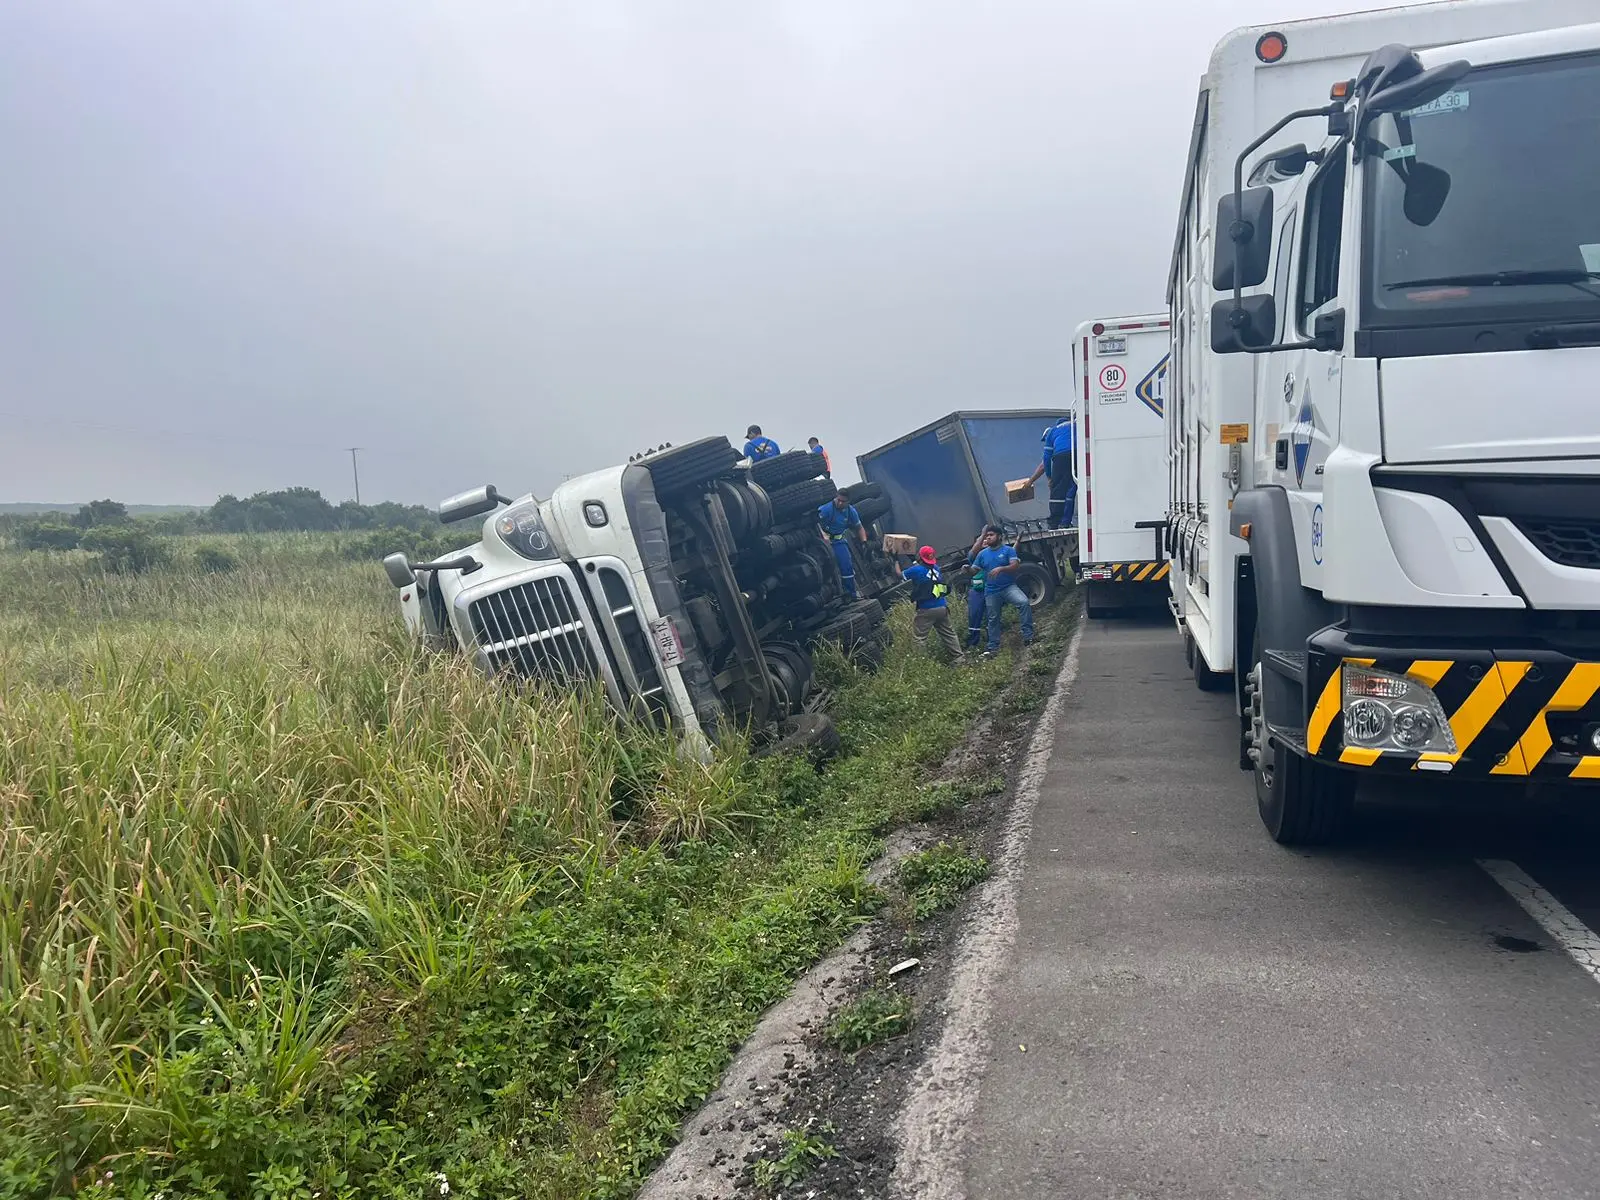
(1519,712)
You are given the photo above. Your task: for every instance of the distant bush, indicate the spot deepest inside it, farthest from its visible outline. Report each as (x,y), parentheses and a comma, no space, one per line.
(127,549)
(213,561)
(48,535)
(419,547)
(101,512)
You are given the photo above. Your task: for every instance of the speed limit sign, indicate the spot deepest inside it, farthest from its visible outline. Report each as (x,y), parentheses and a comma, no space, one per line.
(1113,378)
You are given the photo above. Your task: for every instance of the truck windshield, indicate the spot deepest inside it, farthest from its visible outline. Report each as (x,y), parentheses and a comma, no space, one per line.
(1484,206)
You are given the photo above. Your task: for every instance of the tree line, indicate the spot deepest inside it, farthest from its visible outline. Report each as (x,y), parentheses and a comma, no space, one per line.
(289,510)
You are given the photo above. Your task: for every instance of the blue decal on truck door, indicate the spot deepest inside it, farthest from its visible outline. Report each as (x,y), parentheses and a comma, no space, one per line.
(1305,428)
(1152,389)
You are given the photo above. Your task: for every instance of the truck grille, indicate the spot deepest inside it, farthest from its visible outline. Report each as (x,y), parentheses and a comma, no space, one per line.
(1572,543)
(537,629)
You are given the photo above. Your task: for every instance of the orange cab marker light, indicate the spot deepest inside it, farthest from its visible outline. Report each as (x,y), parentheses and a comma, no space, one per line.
(1244,530)
(1270,47)
(1340,90)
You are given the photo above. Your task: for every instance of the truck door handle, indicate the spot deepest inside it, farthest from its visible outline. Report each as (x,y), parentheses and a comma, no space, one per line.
(1280,454)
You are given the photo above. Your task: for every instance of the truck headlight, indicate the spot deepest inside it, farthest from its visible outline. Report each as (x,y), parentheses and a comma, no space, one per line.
(1384,711)
(521,528)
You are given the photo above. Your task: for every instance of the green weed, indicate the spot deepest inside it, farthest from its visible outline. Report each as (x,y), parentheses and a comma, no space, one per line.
(935,878)
(874,1016)
(801,1152)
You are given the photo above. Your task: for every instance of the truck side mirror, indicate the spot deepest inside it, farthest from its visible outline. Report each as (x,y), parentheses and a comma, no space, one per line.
(1287,162)
(1244,239)
(464,505)
(1421,88)
(1427,188)
(398,568)
(1246,327)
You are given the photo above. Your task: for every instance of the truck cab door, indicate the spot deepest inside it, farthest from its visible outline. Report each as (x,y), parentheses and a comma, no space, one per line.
(1299,390)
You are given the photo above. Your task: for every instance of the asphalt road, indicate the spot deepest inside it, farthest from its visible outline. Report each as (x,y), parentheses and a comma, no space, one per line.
(1206,1014)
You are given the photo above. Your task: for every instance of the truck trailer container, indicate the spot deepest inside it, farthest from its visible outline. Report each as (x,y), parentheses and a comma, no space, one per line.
(945,481)
(1120,372)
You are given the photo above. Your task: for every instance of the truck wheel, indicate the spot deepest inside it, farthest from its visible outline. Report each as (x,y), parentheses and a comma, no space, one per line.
(1095,612)
(1205,678)
(864,491)
(801,498)
(1035,583)
(1302,802)
(870,510)
(685,468)
(811,734)
(796,466)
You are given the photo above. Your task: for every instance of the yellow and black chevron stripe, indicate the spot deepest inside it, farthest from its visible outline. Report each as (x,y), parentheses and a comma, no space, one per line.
(1507,714)
(1130,572)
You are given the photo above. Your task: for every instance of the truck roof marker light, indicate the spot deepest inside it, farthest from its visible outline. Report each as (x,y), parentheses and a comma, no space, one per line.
(1271,47)
(1097,328)
(1244,530)
(1340,90)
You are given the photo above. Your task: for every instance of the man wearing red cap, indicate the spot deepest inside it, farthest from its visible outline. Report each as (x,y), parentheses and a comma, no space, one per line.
(928,592)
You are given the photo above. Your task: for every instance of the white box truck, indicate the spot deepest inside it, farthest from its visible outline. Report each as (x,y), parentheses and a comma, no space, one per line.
(1384,443)
(1120,366)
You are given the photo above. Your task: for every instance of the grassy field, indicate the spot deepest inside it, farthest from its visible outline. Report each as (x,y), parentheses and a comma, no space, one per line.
(290,911)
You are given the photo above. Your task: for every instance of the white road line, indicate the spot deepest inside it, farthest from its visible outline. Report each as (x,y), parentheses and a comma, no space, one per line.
(1555,918)
(930,1132)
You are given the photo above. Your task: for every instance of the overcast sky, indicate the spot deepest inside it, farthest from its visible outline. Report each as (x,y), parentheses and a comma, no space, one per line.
(505,242)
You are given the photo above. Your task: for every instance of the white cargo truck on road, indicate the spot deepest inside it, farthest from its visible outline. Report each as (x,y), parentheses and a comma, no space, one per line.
(1120,364)
(1384,437)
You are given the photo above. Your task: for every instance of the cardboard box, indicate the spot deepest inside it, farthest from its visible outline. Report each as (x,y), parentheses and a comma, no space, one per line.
(1019,490)
(899,543)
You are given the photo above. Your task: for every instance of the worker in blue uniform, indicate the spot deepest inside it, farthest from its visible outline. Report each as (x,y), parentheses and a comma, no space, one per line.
(928,592)
(815,447)
(839,519)
(759,446)
(1057,463)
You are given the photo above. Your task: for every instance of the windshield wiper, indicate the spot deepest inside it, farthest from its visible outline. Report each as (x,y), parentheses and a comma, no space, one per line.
(1574,333)
(1501,278)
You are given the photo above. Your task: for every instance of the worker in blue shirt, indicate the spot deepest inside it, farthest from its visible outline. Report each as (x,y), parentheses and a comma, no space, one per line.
(838,517)
(1057,463)
(759,447)
(999,564)
(928,592)
(813,445)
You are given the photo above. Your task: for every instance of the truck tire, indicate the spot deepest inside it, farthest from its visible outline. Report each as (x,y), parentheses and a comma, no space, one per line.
(1035,583)
(796,466)
(687,468)
(811,734)
(800,499)
(1302,802)
(864,491)
(1099,612)
(870,510)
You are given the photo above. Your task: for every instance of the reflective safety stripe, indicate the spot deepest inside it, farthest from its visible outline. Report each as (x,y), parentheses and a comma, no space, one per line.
(1501,713)
(1322,716)
(1128,572)
(1575,691)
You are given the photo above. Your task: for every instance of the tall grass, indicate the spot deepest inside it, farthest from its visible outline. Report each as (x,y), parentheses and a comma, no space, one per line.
(288,908)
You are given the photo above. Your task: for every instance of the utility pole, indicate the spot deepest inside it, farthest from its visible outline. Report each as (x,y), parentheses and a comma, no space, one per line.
(355,470)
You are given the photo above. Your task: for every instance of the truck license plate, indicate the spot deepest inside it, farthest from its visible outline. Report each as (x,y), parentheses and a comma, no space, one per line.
(668,646)
(1111,344)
